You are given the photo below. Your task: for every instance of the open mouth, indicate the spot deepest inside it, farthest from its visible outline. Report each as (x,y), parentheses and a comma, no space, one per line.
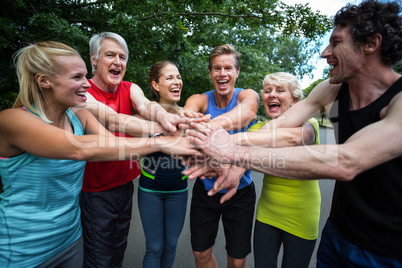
(274,106)
(175,92)
(332,69)
(82,95)
(115,72)
(332,65)
(223,83)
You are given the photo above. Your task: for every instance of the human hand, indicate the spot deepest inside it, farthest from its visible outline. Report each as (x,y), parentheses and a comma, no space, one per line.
(213,141)
(192,114)
(229,179)
(193,117)
(228,176)
(170,122)
(203,167)
(177,145)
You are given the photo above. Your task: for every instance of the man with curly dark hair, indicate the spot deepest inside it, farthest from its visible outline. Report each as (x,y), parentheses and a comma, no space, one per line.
(363,98)
(371,18)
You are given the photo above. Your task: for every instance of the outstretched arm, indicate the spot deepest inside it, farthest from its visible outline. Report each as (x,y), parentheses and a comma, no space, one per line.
(18,128)
(341,162)
(277,137)
(152,111)
(122,123)
(243,114)
(291,127)
(240,116)
(320,99)
(195,104)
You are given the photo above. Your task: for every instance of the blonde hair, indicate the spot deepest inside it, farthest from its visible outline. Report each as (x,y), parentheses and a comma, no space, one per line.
(39,58)
(281,79)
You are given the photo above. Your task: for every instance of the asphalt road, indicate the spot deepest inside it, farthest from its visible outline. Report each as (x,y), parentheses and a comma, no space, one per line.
(184,257)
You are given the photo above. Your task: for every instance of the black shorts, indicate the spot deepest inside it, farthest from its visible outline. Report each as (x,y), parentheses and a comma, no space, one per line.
(237,218)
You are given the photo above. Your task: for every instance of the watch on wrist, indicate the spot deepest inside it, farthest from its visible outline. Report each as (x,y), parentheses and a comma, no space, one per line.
(156,135)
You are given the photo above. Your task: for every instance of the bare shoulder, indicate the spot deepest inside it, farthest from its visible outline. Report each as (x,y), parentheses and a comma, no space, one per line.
(16,122)
(197,103)
(248,94)
(397,99)
(247,91)
(134,87)
(6,112)
(325,92)
(15,115)
(323,95)
(138,99)
(81,112)
(394,110)
(197,97)
(85,116)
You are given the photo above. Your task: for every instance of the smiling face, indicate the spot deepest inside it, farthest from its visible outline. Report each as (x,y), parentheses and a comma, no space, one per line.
(69,86)
(110,66)
(223,73)
(169,85)
(343,55)
(276,99)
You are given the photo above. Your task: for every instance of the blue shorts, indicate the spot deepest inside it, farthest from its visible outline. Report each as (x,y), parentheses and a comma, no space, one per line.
(336,251)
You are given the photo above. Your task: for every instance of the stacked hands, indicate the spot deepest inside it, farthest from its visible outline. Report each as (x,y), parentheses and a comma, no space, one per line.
(206,150)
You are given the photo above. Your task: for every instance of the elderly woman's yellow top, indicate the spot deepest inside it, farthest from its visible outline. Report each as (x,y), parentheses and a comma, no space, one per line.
(290,205)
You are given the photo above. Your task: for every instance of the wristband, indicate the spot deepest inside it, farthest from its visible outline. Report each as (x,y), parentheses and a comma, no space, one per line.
(156,135)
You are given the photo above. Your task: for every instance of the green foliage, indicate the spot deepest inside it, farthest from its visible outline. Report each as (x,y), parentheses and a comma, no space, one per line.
(325,72)
(271,36)
(398,67)
(308,89)
(325,75)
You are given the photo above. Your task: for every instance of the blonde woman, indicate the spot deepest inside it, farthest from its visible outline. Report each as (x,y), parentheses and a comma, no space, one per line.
(43,150)
(288,211)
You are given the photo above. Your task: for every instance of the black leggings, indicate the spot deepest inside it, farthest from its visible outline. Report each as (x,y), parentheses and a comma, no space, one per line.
(267,243)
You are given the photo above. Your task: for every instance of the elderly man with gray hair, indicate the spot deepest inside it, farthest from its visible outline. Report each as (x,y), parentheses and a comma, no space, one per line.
(107,191)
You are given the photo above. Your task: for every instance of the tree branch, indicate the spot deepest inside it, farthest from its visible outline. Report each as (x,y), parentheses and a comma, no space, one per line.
(187,14)
(82,5)
(202,14)
(91,4)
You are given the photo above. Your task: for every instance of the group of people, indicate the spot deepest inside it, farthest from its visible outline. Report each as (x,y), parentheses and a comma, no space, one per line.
(71,147)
